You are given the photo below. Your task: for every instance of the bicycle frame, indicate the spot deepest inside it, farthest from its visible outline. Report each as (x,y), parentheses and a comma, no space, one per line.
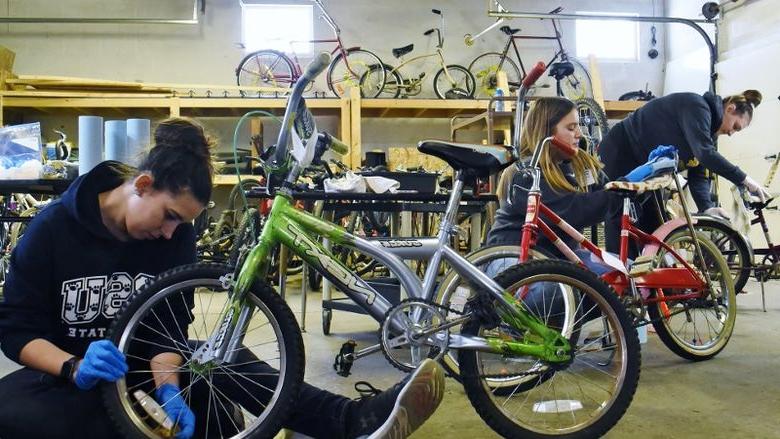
(442,64)
(620,278)
(294,228)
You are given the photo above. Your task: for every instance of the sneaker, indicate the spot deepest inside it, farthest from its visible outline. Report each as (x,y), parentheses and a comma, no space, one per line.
(399,410)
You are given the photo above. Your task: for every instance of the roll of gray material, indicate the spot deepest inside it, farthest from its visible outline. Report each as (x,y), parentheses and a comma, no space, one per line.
(138,139)
(90,142)
(116,140)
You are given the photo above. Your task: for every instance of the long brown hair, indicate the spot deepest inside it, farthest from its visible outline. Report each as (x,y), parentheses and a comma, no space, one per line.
(540,123)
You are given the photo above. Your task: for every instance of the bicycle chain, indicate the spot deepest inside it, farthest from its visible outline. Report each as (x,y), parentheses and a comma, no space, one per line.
(462,313)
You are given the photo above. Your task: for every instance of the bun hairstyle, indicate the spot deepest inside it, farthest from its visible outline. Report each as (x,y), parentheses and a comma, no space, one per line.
(181,158)
(744,102)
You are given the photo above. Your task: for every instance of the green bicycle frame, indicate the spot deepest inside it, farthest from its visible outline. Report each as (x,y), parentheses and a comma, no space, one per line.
(294,228)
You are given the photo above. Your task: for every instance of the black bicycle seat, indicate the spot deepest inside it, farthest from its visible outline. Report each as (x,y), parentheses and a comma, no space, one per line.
(401,51)
(561,70)
(509,31)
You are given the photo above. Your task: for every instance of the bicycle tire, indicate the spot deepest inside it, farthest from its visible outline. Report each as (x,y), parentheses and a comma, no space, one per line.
(183,281)
(578,85)
(355,74)
(279,72)
(686,346)
(457,90)
(732,245)
(484,68)
(616,339)
(593,121)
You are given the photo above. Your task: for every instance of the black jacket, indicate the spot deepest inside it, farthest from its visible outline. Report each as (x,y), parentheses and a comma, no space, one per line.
(579,209)
(686,120)
(69,276)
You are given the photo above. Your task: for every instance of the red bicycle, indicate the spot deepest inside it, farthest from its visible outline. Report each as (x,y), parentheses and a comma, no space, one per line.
(680,283)
(350,67)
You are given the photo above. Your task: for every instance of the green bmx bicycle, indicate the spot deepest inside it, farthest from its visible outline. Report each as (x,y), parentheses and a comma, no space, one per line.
(561,362)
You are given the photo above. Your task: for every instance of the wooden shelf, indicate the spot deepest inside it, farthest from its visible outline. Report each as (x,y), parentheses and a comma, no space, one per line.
(351,110)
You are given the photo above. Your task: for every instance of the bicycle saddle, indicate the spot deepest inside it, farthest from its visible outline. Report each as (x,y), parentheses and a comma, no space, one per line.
(651,184)
(401,51)
(561,70)
(475,160)
(509,31)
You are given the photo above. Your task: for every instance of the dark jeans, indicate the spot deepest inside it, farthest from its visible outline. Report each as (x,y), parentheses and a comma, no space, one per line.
(37,405)
(619,158)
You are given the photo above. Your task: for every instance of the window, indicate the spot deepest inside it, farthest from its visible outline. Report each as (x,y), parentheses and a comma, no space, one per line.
(280,27)
(609,40)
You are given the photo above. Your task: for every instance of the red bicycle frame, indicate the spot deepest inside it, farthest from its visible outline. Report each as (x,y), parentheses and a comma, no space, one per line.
(683,277)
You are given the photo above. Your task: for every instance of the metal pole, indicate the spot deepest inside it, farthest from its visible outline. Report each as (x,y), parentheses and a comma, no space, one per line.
(71,20)
(694,23)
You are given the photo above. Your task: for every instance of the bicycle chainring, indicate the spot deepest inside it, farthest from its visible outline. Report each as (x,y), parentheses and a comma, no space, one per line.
(407,349)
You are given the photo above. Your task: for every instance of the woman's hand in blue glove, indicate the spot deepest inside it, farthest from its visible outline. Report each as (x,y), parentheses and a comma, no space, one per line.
(169,397)
(103,361)
(662,151)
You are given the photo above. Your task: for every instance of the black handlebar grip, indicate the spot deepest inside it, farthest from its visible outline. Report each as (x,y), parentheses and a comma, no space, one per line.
(436,11)
(317,65)
(428,32)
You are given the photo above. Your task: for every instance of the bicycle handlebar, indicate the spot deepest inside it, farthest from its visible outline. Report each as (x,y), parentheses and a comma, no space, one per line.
(338,146)
(317,65)
(534,74)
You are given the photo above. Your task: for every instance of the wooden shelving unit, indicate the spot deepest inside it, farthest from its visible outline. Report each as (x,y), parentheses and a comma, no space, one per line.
(351,110)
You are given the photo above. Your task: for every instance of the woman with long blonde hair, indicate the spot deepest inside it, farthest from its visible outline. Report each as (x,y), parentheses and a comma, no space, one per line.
(567,175)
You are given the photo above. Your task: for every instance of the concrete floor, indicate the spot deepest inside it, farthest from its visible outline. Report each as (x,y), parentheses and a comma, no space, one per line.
(734,395)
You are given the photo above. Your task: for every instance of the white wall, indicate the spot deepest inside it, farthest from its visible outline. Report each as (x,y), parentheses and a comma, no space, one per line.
(205,53)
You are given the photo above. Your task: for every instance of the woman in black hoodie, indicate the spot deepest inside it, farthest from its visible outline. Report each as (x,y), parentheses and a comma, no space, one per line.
(79,260)
(691,122)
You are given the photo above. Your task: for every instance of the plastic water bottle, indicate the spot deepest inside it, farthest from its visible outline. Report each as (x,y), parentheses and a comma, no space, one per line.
(500,104)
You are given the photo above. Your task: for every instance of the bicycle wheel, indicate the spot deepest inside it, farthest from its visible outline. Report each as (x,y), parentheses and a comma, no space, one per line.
(593,122)
(485,68)
(732,246)
(578,85)
(356,71)
(250,394)
(266,68)
(393,81)
(461,86)
(699,328)
(580,399)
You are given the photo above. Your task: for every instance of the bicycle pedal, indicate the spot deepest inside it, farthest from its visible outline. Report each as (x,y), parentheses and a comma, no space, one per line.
(345,358)
(642,265)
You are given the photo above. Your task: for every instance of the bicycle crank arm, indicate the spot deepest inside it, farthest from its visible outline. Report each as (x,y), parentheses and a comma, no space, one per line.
(448,325)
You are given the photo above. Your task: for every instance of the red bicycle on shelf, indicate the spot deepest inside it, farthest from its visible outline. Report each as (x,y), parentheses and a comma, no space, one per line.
(680,280)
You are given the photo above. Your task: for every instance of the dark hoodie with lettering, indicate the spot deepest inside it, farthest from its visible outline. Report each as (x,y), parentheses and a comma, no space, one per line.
(69,277)
(688,121)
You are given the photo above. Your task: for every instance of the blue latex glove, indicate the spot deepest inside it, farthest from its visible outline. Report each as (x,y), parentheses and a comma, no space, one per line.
(662,151)
(169,397)
(103,361)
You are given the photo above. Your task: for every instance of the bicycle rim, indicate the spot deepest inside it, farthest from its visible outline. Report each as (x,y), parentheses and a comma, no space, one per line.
(236,399)
(698,328)
(266,69)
